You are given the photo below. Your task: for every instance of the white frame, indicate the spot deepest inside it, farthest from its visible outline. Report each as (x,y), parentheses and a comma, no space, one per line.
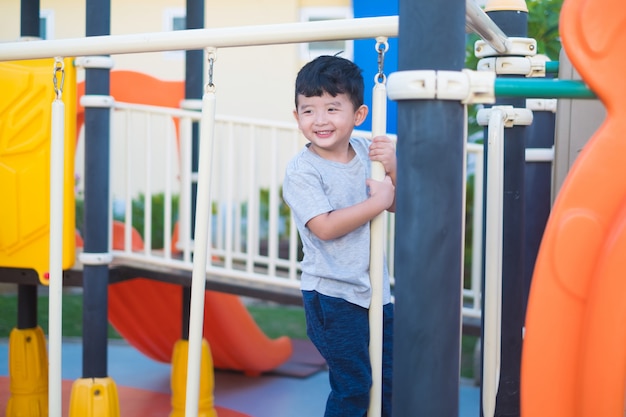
(326,13)
(48,16)
(169,14)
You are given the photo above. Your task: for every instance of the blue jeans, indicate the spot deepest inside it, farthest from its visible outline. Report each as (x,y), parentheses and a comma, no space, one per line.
(340,331)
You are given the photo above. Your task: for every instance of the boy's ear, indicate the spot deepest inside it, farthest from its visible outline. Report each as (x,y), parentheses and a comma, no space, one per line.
(360,114)
(295,115)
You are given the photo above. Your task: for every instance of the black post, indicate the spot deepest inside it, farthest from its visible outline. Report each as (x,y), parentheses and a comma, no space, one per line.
(514,23)
(27,294)
(538,192)
(194,72)
(29,18)
(193,87)
(186,294)
(96,277)
(429,218)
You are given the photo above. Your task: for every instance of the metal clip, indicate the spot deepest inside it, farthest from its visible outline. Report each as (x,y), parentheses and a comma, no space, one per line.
(211,57)
(59,66)
(381,47)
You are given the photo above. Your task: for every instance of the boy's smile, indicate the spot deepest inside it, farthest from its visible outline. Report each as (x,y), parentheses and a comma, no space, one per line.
(327,122)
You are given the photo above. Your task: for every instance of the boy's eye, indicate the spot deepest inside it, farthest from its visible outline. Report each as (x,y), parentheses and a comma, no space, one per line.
(332,109)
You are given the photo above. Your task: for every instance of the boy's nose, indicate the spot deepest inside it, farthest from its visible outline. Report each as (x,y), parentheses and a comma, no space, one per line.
(320,118)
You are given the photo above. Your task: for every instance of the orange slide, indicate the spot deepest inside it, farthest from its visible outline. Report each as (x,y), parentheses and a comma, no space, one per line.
(574,357)
(148,313)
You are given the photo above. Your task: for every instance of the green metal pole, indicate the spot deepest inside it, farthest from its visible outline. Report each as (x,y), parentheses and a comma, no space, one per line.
(542,88)
(552,67)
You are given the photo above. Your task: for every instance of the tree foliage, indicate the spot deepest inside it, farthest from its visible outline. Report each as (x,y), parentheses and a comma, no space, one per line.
(543,26)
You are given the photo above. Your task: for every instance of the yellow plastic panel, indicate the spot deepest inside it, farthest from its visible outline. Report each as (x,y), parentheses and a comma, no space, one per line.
(25,119)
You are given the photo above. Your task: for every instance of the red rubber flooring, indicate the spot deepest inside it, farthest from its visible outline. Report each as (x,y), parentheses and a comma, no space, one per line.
(133,402)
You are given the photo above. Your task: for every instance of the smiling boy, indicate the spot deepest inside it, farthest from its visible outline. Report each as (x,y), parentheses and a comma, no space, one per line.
(328,188)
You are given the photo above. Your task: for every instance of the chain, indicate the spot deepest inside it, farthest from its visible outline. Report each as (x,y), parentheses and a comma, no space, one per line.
(59,66)
(381,47)
(211,56)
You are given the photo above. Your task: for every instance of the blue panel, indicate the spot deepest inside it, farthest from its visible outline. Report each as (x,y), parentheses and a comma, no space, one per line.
(366,57)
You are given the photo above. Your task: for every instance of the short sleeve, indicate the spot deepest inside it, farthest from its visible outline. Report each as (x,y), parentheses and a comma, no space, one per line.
(303,191)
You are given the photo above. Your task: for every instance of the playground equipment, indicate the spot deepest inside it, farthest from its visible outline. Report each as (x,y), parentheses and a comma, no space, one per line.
(82,397)
(40,49)
(574,362)
(236,341)
(33,166)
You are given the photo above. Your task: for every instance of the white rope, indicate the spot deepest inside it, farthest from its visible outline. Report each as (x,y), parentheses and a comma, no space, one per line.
(377,240)
(55,269)
(201,239)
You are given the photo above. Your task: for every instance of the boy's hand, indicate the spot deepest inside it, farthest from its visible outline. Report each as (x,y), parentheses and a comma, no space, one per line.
(382,191)
(383,150)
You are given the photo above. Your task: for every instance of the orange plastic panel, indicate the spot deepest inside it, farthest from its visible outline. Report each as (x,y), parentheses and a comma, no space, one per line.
(574,358)
(25,126)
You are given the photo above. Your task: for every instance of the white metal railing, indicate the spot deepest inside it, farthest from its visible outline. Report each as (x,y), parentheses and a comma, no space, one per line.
(253,238)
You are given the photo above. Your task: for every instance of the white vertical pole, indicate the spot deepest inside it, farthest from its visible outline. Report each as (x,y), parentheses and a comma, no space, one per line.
(170,141)
(477,234)
(379,127)
(128,199)
(57,162)
(147,212)
(493,260)
(184,225)
(201,239)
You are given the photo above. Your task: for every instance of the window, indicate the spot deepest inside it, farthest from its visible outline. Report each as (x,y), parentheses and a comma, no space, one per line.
(174,18)
(46,24)
(312,50)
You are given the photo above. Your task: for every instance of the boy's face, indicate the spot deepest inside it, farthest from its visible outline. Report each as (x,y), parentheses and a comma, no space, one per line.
(327,121)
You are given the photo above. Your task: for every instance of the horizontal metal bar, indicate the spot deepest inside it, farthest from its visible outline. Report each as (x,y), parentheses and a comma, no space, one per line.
(287,33)
(540,154)
(542,88)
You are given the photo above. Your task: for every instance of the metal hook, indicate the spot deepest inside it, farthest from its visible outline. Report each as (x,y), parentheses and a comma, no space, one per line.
(211,56)
(381,47)
(59,66)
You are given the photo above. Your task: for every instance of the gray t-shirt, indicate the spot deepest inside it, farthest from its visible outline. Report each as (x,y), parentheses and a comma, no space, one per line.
(313,186)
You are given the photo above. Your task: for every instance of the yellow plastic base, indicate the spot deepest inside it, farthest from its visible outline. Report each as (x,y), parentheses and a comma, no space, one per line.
(179,380)
(94,397)
(28,373)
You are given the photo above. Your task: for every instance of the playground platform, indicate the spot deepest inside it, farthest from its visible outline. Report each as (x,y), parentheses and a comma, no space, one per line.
(144,385)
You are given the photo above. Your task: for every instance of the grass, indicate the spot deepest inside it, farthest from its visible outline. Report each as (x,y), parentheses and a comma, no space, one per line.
(72,315)
(274,320)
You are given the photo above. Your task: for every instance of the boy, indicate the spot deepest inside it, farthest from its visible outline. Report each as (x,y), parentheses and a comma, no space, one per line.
(328,187)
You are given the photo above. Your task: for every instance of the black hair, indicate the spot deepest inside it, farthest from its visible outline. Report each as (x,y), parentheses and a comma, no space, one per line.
(333,75)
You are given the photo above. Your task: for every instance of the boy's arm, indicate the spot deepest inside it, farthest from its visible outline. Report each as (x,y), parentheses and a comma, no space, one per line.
(337,223)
